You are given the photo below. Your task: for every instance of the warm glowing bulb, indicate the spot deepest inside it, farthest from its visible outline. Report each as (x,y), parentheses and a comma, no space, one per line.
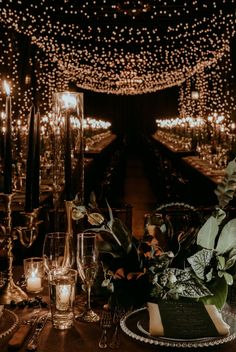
(6,87)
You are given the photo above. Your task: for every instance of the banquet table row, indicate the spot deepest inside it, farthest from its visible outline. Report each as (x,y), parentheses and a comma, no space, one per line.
(193,178)
(85,336)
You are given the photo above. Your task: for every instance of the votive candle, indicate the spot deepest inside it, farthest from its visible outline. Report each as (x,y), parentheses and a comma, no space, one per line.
(34,283)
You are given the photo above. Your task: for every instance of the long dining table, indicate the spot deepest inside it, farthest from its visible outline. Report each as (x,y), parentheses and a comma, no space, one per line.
(85,336)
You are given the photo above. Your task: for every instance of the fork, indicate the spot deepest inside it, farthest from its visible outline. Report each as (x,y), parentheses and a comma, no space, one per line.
(115,340)
(105,323)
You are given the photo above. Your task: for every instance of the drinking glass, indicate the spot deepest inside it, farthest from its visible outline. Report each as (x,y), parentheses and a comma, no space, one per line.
(62,287)
(58,251)
(87,264)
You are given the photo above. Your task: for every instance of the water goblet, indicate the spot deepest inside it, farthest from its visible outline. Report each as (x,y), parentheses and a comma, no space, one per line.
(58,251)
(87,265)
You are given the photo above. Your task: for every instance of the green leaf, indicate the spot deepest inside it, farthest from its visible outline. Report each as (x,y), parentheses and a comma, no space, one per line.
(228,278)
(230,262)
(207,233)
(227,238)
(219,288)
(221,261)
(194,289)
(226,189)
(122,233)
(199,261)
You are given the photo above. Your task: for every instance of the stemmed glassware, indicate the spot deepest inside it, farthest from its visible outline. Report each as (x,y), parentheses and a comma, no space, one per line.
(58,252)
(87,264)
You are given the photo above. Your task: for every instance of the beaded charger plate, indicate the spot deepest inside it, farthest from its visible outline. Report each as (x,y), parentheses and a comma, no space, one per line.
(8,322)
(135,325)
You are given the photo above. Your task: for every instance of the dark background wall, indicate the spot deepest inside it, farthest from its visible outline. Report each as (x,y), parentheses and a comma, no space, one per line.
(131,114)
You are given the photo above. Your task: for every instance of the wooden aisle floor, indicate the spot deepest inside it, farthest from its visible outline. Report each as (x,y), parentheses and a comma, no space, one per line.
(137,191)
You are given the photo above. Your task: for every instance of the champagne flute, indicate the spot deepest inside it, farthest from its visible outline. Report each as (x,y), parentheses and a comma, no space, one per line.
(58,251)
(87,264)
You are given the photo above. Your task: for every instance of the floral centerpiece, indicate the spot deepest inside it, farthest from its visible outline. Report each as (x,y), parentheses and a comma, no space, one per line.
(139,270)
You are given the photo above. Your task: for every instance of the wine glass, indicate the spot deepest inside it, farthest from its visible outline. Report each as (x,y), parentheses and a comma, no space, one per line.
(87,264)
(58,251)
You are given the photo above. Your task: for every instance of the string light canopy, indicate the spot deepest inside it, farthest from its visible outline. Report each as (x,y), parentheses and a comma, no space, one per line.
(125,47)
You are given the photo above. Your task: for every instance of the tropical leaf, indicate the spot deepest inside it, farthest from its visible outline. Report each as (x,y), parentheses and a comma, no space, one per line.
(225,190)
(107,244)
(106,234)
(122,233)
(110,213)
(227,238)
(219,289)
(200,261)
(194,289)
(228,278)
(208,232)
(230,262)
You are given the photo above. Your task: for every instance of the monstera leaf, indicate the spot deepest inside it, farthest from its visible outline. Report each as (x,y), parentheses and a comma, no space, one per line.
(225,190)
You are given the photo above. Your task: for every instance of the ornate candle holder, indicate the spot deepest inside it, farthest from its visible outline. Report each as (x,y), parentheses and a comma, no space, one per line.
(27,234)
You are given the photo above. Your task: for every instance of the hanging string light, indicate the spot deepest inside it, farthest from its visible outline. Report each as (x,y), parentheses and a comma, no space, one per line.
(125,47)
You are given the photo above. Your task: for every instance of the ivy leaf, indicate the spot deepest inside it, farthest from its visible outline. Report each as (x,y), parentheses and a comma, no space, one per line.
(227,239)
(199,261)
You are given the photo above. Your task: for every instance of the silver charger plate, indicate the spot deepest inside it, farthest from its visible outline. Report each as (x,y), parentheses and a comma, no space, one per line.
(134,324)
(8,323)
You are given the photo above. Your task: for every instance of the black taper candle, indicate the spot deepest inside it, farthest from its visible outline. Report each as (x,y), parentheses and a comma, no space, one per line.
(8,149)
(29,203)
(67,158)
(36,179)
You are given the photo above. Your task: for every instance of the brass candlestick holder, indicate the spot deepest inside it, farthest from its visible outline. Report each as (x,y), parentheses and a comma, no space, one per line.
(27,234)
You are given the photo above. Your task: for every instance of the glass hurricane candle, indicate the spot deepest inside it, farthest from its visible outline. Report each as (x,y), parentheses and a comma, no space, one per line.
(34,273)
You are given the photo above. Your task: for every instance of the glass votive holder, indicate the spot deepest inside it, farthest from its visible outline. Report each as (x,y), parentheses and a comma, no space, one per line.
(34,274)
(62,286)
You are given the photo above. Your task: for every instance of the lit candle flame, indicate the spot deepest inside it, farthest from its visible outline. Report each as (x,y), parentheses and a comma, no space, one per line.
(7,87)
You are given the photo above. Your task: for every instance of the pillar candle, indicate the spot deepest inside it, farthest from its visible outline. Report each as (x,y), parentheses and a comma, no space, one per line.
(8,145)
(30,164)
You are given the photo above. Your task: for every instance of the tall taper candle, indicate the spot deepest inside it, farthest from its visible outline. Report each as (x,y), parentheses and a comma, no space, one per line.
(36,186)
(8,144)
(29,203)
(67,159)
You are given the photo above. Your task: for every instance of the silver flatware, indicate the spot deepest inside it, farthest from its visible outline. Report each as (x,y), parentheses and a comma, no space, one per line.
(105,323)
(115,339)
(32,344)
